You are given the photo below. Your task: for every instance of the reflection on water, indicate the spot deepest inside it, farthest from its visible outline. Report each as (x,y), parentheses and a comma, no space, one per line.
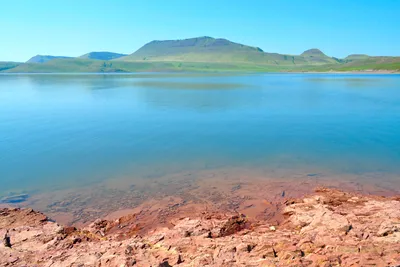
(110,80)
(68,131)
(350,80)
(188,85)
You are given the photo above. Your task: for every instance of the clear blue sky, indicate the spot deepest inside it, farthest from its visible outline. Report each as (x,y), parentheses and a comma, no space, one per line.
(75,27)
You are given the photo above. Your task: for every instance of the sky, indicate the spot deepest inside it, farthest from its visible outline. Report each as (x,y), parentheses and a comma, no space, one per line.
(76,27)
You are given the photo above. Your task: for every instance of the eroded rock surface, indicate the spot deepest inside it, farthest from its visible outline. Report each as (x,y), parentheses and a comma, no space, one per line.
(328,228)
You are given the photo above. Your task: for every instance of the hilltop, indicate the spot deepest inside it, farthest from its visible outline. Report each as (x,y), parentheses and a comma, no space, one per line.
(316,56)
(43,58)
(194,49)
(210,50)
(102,55)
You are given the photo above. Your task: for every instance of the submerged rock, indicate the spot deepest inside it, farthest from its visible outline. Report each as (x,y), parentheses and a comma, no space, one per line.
(14,199)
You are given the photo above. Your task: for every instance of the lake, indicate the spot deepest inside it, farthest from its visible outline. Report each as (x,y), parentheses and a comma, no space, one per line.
(72,132)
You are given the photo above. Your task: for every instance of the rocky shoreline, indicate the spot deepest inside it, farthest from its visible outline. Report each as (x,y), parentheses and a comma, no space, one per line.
(326,228)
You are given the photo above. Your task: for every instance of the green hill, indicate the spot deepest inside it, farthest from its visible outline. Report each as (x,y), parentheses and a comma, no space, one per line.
(363,64)
(43,58)
(78,65)
(5,65)
(315,56)
(191,50)
(356,57)
(65,65)
(201,54)
(102,55)
(208,49)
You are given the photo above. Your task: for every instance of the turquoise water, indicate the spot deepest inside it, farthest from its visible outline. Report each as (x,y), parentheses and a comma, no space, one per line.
(69,131)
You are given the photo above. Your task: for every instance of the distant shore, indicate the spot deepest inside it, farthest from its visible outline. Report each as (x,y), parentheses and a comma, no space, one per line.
(206,72)
(355,72)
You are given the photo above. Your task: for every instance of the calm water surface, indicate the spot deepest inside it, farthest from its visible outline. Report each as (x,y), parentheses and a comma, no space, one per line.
(70,131)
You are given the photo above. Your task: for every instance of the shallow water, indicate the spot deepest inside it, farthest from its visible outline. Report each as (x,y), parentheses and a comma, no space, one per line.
(70,131)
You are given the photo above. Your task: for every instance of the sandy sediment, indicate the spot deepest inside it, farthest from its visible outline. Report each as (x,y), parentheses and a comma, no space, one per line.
(254,194)
(326,228)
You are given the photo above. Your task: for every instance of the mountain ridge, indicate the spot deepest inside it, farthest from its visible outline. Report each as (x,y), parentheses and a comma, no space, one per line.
(209,49)
(102,55)
(202,54)
(43,58)
(191,49)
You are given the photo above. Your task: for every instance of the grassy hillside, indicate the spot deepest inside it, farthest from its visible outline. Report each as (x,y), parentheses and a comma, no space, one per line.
(356,57)
(42,58)
(102,55)
(8,65)
(77,65)
(315,56)
(366,64)
(86,65)
(65,65)
(207,49)
(201,54)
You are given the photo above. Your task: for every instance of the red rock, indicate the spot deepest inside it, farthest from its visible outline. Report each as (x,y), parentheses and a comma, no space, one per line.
(328,228)
(69,230)
(12,260)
